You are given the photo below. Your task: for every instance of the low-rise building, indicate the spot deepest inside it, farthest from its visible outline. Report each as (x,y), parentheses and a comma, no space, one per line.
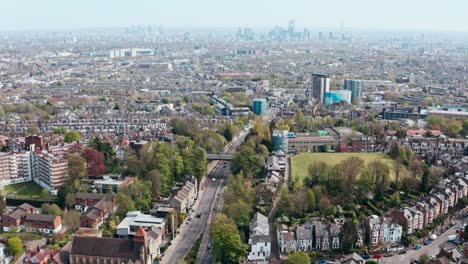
(142,248)
(136,220)
(259,239)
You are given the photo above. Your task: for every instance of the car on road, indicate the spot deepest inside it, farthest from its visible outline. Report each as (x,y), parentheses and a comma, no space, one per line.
(417,247)
(427,242)
(198,215)
(452,238)
(209,245)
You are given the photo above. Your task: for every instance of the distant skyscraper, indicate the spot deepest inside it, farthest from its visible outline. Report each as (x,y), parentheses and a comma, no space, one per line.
(355,86)
(320,85)
(321,37)
(291,28)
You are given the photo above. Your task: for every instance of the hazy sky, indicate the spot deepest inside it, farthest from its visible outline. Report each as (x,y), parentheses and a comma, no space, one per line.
(437,15)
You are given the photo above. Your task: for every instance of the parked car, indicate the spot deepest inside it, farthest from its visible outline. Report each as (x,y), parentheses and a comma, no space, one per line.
(427,242)
(402,252)
(417,247)
(452,238)
(366,256)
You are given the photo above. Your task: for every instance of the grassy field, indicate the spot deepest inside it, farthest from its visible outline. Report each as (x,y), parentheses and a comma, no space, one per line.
(26,189)
(301,162)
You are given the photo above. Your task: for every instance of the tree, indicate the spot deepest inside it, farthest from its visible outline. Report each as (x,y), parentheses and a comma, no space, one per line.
(228,132)
(15,245)
(60,130)
(298,257)
(366,181)
(416,167)
(318,171)
(199,163)
(2,112)
(227,243)
(349,235)
(70,200)
(50,209)
(311,200)
(2,204)
(95,162)
(398,171)
(435,175)
(156,181)
(62,193)
(453,128)
(72,136)
(324,204)
(424,259)
(71,219)
(44,193)
(382,177)
(33,130)
(425,184)
(76,167)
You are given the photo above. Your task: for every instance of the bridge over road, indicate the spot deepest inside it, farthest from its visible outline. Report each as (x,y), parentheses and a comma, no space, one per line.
(220,156)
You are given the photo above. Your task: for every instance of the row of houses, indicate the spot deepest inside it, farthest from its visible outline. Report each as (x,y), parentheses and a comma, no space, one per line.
(316,235)
(426,209)
(183,197)
(373,230)
(26,218)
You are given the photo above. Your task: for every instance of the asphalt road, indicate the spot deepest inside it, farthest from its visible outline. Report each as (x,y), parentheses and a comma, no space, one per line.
(190,231)
(431,249)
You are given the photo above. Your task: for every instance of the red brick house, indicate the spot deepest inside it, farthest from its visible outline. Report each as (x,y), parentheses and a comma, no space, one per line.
(48,224)
(85,200)
(40,256)
(25,217)
(95,215)
(15,218)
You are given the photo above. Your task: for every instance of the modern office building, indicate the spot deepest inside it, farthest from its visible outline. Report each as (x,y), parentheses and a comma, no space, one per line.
(355,86)
(279,140)
(259,106)
(334,97)
(227,109)
(320,85)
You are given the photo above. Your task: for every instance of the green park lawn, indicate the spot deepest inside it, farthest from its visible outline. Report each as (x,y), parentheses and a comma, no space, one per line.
(26,189)
(301,162)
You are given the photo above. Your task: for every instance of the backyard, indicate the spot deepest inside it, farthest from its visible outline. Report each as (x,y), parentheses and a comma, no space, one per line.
(301,162)
(25,189)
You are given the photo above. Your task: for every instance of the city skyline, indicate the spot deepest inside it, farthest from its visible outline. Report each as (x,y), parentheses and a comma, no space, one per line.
(362,14)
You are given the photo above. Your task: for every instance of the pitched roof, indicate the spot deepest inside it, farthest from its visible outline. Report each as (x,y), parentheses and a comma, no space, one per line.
(41,217)
(26,207)
(104,247)
(93,196)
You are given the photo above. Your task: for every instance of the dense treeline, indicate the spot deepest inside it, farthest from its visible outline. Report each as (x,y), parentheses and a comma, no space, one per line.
(163,164)
(229,236)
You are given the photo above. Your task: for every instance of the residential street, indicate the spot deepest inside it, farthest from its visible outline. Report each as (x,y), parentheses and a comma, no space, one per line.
(431,249)
(190,231)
